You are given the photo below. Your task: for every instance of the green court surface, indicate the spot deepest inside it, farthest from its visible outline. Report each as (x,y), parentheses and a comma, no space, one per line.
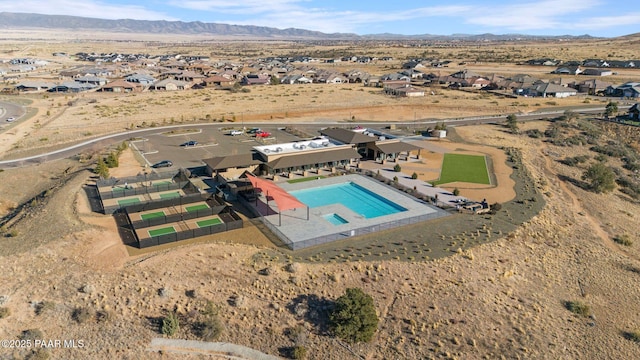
(152,215)
(209,222)
(162,231)
(464,168)
(158,183)
(172,195)
(197,207)
(126,202)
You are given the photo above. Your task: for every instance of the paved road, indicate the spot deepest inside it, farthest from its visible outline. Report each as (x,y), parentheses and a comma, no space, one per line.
(105,141)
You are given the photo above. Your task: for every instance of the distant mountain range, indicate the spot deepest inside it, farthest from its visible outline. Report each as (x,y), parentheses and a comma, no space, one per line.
(10,20)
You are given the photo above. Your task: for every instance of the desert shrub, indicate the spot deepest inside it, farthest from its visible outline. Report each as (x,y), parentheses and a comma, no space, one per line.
(534,133)
(578,308)
(31,334)
(575,160)
(81,315)
(395,179)
(456,192)
(623,239)
(170,324)
(4,312)
(39,354)
(397,168)
(299,352)
(414,176)
(104,315)
(354,317)
(633,335)
(44,306)
(600,178)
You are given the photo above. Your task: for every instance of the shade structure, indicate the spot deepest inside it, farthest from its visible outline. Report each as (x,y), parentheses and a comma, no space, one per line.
(283,199)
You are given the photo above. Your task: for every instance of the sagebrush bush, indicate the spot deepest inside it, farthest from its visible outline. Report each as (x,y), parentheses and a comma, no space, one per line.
(578,308)
(170,324)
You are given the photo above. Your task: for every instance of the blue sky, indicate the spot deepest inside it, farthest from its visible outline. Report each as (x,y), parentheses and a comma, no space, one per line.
(537,17)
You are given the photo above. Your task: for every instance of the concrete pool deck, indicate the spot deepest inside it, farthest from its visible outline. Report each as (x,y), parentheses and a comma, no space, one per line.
(293,224)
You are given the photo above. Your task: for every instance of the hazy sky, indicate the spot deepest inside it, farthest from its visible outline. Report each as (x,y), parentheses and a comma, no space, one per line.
(606,18)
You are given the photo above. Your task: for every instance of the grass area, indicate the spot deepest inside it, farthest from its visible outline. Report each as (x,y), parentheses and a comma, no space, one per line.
(162,231)
(464,168)
(198,207)
(152,215)
(158,183)
(293,181)
(209,222)
(126,202)
(172,195)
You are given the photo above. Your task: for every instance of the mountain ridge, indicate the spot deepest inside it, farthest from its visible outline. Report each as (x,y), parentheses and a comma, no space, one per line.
(10,20)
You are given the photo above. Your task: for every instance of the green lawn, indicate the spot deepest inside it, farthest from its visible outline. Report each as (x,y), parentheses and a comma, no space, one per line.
(126,202)
(305,179)
(197,207)
(172,195)
(463,168)
(152,215)
(162,231)
(209,222)
(158,183)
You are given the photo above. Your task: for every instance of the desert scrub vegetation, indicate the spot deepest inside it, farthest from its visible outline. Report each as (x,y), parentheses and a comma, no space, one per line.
(170,324)
(4,312)
(210,328)
(354,317)
(623,239)
(632,335)
(81,315)
(44,306)
(600,178)
(578,308)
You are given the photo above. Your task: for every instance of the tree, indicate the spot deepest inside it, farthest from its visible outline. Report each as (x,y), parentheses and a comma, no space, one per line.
(512,123)
(102,169)
(611,109)
(274,80)
(397,168)
(456,192)
(170,324)
(354,317)
(601,178)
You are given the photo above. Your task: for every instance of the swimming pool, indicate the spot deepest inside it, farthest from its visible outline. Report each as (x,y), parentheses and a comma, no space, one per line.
(355,197)
(335,219)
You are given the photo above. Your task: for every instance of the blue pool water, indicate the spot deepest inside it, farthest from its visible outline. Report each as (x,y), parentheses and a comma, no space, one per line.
(360,200)
(335,219)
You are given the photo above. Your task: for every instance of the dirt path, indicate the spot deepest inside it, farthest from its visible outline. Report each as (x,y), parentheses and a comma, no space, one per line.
(579,209)
(221,350)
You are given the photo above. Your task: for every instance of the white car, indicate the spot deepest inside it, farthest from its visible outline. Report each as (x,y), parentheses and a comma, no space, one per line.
(235,132)
(11,119)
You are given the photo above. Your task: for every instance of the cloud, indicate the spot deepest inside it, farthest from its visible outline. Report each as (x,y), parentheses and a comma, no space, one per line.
(293,14)
(85,8)
(537,15)
(603,22)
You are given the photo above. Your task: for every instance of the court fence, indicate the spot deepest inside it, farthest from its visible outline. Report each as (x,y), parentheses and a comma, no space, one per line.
(229,223)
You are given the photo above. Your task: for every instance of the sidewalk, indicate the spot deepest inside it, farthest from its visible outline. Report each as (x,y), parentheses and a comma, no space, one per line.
(422,187)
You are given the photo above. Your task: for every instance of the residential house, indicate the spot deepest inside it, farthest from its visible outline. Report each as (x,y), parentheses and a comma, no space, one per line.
(72,87)
(218,81)
(93,80)
(142,79)
(547,90)
(170,84)
(592,86)
(121,86)
(33,86)
(627,90)
(597,72)
(255,79)
(567,70)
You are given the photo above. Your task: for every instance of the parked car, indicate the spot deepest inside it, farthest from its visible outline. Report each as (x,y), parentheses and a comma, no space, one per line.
(189,143)
(161,164)
(253,131)
(263,134)
(235,132)
(11,119)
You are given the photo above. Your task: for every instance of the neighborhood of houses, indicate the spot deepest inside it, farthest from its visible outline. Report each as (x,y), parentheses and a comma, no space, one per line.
(123,73)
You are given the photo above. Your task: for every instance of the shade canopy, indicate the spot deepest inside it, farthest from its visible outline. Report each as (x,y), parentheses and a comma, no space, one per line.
(283,199)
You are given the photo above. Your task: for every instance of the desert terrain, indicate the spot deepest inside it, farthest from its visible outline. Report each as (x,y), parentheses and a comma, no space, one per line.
(481,293)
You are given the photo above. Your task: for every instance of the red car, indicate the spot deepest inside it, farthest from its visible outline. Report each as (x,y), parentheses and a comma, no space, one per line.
(263,134)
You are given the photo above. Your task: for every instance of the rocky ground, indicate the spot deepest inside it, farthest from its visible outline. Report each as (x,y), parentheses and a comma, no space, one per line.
(504,298)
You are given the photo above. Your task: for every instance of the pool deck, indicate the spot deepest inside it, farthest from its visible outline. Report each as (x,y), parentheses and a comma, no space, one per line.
(295,226)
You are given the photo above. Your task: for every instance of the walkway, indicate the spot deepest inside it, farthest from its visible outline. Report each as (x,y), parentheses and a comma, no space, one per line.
(229,351)
(422,187)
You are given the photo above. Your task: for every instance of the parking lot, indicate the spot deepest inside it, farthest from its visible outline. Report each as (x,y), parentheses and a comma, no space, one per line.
(211,141)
